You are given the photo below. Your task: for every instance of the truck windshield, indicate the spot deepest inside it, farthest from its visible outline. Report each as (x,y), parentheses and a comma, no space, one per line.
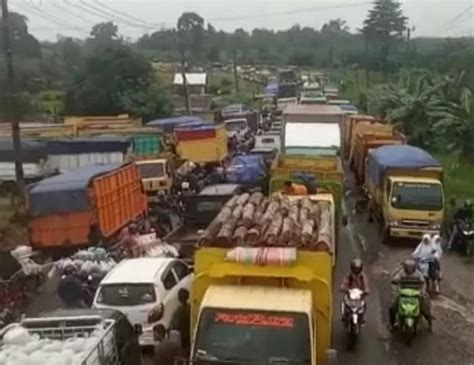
(249,336)
(417,196)
(125,295)
(235,126)
(151,170)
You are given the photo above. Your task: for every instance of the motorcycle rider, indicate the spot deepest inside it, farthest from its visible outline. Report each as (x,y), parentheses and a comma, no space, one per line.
(411,273)
(356,278)
(425,249)
(69,288)
(462,214)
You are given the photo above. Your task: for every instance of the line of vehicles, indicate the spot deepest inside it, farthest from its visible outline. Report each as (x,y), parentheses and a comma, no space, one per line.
(259,266)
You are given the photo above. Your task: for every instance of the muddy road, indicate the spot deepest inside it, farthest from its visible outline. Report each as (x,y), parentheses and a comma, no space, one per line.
(452,341)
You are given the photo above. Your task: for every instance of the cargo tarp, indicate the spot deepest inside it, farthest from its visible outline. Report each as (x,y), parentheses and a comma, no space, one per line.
(246,169)
(99,144)
(384,158)
(66,192)
(169,124)
(31,151)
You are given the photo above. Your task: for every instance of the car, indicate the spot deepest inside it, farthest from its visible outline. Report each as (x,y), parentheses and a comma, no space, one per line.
(145,290)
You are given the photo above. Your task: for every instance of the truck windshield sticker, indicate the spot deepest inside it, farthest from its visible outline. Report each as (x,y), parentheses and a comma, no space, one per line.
(251,319)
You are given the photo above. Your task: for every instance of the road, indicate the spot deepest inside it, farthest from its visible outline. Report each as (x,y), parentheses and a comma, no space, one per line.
(452,342)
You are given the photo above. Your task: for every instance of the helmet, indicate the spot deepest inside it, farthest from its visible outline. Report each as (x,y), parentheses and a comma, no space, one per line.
(409,266)
(69,269)
(132,228)
(356,266)
(161,193)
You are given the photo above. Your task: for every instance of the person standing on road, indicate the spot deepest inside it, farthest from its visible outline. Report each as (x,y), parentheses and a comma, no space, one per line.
(181,320)
(167,350)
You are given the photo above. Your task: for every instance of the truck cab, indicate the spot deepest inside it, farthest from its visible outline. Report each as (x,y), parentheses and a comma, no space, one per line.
(157,174)
(266,140)
(236,127)
(413,206)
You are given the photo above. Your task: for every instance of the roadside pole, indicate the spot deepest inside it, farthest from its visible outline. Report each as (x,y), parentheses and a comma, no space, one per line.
(236,75)
(182,52)
(11,104)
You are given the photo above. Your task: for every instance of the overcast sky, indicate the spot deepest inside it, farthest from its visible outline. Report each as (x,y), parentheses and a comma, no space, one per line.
(48,18)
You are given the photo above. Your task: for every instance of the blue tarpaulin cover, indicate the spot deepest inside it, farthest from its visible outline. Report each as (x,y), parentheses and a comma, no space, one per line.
(271,88)
(66,192)
(31,151)
(169,124)
(246,169)
(88,145)
(400,156)
(348,107)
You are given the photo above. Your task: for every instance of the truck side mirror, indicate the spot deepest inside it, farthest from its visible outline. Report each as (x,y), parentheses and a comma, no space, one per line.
(344,220)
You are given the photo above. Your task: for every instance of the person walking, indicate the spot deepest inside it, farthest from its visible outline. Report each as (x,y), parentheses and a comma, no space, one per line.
(167,350)
(181,320)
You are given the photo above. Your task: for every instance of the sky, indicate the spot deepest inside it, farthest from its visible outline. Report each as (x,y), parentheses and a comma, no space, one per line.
(50,18)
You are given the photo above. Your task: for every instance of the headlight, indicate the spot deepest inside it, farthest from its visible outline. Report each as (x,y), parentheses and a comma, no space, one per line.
(393,223)
(436,227)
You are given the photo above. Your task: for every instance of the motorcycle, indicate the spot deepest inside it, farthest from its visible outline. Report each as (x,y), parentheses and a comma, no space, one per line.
(464,240)
(408,311)
(427,266)
(352,310)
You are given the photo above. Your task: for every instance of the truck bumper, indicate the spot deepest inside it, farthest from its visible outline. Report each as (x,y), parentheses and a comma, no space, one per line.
(411,232)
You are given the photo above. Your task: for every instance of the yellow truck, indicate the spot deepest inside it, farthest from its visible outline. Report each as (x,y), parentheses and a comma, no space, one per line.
(245,309)
(307,167)
(405,189)
(208,144)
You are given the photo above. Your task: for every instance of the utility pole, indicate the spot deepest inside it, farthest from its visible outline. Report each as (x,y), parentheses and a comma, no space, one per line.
(182,52)
(236,75)
(11,101)
(367,76)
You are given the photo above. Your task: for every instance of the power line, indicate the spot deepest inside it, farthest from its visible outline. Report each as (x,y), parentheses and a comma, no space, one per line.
(121,13)
(290,12)
(111,15)
(64,10)
(28,7)
(452,23)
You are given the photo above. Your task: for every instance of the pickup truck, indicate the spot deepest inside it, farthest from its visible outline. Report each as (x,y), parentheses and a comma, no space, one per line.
(199,211)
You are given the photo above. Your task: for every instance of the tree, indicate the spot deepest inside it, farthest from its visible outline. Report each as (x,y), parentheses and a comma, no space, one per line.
(104,34)
(104,78)
(24,44)
(191,31)
(336,26)
(384,28)
(71,52)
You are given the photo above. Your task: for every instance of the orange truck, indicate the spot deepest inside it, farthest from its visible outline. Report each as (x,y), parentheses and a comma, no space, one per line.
(84,206)
(365,142)
(347,127)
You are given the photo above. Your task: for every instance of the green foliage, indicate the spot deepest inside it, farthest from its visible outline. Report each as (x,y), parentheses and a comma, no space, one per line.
(113,80)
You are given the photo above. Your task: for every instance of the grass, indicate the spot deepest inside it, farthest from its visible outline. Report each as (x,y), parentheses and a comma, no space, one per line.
(458,177)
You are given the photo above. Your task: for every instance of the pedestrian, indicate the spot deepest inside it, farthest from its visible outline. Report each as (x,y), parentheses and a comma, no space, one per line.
(166,350)
(182,318)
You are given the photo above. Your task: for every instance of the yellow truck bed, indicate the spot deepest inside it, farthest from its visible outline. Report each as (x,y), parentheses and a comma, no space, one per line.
(204,150)
(322,168)
(218,282)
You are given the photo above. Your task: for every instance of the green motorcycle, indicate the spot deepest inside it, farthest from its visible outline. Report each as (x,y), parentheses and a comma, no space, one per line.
(409,312)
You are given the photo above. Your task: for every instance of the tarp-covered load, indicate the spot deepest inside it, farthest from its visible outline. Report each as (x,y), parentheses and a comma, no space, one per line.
(169,124)
(384,158)
(31,151)
(96,144)
(66,192)
(246,169)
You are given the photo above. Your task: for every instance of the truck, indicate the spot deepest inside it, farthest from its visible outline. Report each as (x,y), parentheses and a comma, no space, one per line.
(201,144)
(84,206)
(367,142)
(307,167)
(346,130)
(156,174)
(404,185)
(34,160)
(312,129)
(65,154)
(249,306)
(79,336)
(199,210)
(374,129)
(283,103)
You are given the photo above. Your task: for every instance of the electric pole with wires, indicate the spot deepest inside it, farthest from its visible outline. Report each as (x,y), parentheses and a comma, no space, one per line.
(11,102)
